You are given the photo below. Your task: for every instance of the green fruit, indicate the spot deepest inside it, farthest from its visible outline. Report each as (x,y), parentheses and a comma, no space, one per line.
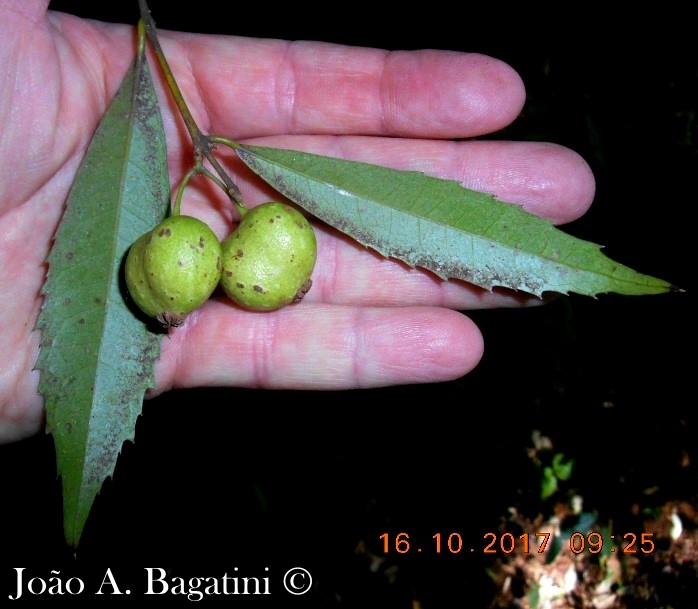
(268,260)
(174,268)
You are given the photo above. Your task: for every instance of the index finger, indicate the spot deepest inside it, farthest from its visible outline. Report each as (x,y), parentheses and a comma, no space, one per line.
(247,87)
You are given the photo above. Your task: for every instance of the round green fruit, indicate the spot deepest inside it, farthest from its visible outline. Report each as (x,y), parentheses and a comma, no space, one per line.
(174,268)
(268,260)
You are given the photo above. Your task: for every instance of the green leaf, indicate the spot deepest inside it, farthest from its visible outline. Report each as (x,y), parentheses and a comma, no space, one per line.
(562,468)
(533,595)
(441,226)
(548,483)
(97,356)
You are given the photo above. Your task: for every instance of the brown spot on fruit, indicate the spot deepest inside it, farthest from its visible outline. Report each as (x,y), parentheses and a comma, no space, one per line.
(280,251)
(169,278)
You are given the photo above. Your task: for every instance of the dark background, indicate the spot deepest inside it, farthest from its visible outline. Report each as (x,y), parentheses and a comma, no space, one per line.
(235,477)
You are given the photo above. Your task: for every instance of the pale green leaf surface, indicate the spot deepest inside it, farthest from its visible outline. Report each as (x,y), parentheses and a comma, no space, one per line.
(96,358)
(443,227)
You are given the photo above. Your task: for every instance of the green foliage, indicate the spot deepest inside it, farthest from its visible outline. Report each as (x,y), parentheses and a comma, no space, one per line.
(96,357)
(443,227)
(551,474)
(533,595)
(97,354)
(548,483)
(562,469)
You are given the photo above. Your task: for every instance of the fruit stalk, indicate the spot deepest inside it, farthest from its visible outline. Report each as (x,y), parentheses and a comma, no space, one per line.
(202,144)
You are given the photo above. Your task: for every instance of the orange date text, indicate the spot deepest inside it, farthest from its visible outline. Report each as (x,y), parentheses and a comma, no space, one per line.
(507,543)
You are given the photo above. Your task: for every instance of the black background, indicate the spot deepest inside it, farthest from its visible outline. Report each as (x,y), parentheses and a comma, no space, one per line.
(219,478)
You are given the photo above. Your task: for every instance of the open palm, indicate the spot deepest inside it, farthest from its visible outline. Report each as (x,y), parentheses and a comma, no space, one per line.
(367,321)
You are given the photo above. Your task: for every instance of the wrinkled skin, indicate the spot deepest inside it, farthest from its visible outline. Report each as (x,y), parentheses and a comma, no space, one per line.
(269,259)
(399,109)
(173,269)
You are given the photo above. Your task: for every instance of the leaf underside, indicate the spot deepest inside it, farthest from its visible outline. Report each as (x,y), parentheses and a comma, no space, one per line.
(96,359)
(443,227)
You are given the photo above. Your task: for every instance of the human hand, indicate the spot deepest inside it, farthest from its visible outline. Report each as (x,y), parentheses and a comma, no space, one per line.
(367,321)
